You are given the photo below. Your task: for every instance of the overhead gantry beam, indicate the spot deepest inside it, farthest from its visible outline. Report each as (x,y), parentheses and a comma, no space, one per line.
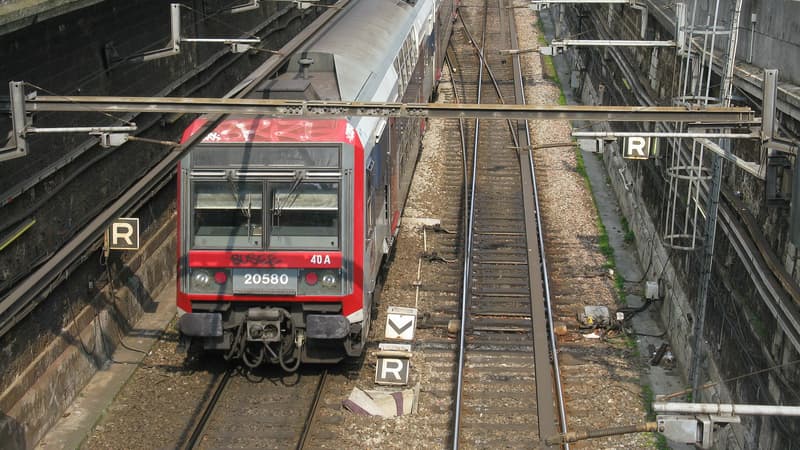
(569,2)
(330,109)
(610,43)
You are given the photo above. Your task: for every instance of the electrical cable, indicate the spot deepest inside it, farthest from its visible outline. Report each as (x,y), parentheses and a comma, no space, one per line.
(97,320)
(743,344)
(658,336)
(651,247)
(286,349)
(212,18)
(120,336)
(86,351)
(87,109)
(259,359)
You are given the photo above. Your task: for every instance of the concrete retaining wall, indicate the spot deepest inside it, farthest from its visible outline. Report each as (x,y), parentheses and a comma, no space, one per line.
(36,399)
(741,334)
(47,358)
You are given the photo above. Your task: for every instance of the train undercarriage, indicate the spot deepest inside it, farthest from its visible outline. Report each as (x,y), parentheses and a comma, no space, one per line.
(282,334)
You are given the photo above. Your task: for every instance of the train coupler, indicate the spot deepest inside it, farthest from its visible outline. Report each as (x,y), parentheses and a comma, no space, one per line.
(265,324)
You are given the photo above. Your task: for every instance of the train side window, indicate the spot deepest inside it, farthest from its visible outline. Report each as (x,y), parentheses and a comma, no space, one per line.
(227,214)
(370,197)
(305,215)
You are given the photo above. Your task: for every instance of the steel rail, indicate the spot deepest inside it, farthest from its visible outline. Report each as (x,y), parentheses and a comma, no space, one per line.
(199,426)
(466,202)
(541,306)
(331,109)
(492,78)
(34,289)
(301,444)
(466,280)
(544,382)
(462,133)
(540,297)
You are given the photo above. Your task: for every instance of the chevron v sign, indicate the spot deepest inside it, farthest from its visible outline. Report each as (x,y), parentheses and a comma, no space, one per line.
(400,323)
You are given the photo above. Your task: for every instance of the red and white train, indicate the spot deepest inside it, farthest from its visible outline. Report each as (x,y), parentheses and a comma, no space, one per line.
(284,223)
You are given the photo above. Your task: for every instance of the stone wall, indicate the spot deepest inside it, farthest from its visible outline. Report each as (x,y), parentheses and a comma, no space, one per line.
(741,333)
(48,356)
(77,342)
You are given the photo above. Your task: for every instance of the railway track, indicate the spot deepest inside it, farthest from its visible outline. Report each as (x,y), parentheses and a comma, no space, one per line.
(251,410)
(499,391)
(505,380)
(501,408)
(500,394)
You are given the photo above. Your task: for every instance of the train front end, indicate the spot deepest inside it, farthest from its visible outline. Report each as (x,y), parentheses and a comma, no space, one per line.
(270,242)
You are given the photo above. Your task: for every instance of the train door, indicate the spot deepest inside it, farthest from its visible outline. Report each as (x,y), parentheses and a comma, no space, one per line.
(394,160)
(375,209)
(428,57)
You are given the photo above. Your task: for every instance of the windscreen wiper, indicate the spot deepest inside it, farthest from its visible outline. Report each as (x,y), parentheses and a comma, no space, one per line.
(299,176)
(237,199)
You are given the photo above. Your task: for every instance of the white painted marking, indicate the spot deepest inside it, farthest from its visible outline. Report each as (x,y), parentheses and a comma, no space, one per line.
(637,147)
(124,234)
(392,371)
(400,323)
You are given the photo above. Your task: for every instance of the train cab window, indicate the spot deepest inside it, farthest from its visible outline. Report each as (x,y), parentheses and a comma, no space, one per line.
(227,214)
(305,215)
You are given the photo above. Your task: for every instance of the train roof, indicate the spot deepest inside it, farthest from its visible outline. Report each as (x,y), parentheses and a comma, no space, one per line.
(364,42)
(361,45)
(353,60)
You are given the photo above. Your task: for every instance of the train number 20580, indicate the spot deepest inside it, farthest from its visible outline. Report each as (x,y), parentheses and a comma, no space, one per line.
(274,278)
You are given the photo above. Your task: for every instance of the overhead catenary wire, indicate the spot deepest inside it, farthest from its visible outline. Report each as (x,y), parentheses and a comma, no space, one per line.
(213,18)
(133,37)
(84,107)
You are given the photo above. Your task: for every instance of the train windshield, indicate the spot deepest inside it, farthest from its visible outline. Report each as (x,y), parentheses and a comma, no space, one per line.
(304,215)
(233,214)
(227,214)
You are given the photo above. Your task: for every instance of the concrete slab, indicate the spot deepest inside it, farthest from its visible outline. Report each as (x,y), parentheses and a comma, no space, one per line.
(81,417)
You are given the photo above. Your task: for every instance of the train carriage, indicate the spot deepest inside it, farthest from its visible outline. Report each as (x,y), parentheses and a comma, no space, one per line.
(284,223)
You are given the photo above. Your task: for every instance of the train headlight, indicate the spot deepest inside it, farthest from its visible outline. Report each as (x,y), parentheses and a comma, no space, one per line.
(210,280)
(201,280)
(329,279)
(319,282)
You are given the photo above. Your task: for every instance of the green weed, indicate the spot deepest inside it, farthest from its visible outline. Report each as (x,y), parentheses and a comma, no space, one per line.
(629,237)
(648,397)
